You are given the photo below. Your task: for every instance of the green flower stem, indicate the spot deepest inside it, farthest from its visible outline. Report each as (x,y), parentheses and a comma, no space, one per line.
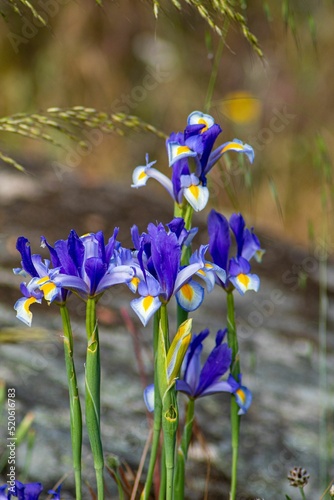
(92,384)
(169,405)
(157,414)
(183,450)
(163,482)
(301,489)
(235,371)
(75,407)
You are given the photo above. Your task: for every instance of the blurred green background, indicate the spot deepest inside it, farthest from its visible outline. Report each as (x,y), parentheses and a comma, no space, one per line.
(120,58)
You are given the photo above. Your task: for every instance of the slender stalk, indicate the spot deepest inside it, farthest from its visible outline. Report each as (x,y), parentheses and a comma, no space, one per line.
(215,68)
(75,407)
(235,371)
(163,481)
(92,384)
(183,450)
(157,414)
(169,408)
(301,489)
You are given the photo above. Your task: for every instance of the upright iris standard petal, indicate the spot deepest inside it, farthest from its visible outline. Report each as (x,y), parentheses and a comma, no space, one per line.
(219,238)
(166,256)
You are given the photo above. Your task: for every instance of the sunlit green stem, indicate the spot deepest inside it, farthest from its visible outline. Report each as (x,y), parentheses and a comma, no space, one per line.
(163,481)
(235,371)
(169,409)
(215,68)
(92,383)
(157,414)
(75,407)
(183,450)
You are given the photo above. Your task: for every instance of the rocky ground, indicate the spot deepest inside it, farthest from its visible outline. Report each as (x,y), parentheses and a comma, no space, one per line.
(278,329)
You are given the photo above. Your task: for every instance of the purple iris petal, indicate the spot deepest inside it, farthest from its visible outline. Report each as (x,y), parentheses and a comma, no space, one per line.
(166,255)
(95,269)
(182,386)
(76,250)
(180,168)
(23,246)
(193,370)
(239,266)
(237,225)
(218,362)
(29,491)
(67,264)
(251,245)
(53,254)
(72,282)
(219,238)
(118,275)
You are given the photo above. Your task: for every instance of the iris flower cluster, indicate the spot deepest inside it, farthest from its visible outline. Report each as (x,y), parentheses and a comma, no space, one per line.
(191,156)
(28,491)
(160,266)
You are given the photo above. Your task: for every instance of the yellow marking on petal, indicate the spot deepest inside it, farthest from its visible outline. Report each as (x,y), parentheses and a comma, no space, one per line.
(194,191)
(142,175)
(135,281)
(201,121)
(244,279)
(241,395)
(47,288)
(233,145)
(28,303)
(201,272)
(187,292)
(208,265)
(182,149)
(43,280)
(147,302)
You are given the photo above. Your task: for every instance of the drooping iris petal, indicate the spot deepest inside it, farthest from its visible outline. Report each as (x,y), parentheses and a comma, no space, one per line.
(219,238)
(245,282)
(190,296)
(243,395)
(141,175)
(145,307)
(22,308)
(196,195)
(240,276)
(238,146)
(177,151)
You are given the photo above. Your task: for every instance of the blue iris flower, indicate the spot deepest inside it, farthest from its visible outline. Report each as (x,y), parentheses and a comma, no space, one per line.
(88,265)
(29,491)
(158,271)
(191,156)
(248,246)
(84,265)
(198,381)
